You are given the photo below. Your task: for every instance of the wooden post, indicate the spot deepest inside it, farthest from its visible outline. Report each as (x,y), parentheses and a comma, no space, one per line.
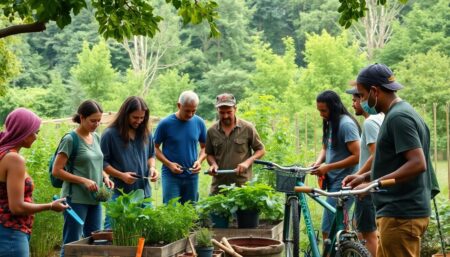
(297,135)
(435,136)
(447,111)
(306,136)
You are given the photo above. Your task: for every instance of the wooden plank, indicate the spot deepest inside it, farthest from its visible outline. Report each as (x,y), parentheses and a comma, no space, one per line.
(82,248)
(274,232)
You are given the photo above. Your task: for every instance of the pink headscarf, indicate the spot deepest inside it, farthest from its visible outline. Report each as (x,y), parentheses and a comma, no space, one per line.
(19,124)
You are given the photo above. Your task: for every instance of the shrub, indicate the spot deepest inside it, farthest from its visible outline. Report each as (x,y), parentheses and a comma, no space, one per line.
(203,238)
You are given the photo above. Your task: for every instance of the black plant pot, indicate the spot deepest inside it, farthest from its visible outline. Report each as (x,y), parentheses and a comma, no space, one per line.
(204,251)
(219,221)
(247,218)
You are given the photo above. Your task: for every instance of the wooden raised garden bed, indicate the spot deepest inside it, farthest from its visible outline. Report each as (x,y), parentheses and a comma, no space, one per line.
(265,229)
(83,248)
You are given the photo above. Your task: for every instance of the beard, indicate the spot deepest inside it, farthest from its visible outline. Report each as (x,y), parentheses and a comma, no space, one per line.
(226,122)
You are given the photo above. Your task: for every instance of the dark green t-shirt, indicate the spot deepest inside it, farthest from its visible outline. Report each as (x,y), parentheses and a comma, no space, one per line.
(403,130)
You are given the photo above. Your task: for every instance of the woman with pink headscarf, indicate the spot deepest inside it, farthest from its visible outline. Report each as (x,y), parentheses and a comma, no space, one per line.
(16,186)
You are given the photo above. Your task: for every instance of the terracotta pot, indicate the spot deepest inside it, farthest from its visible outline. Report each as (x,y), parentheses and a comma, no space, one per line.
(441,255)
(102,235)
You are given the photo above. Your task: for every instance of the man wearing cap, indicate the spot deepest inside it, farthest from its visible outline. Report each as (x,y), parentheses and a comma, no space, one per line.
(403,154)
(364,215)
(231,143)
(180,134)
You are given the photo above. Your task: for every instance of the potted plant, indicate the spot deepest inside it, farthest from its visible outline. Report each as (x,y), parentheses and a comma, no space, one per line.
(252,200)
(216,208)
(204,246)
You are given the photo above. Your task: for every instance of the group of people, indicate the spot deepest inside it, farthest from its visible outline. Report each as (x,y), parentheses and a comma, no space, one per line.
(124,158)
(393,144)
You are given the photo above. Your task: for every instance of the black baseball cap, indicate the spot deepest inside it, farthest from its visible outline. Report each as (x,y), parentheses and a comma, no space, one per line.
(378,74)
(353,90)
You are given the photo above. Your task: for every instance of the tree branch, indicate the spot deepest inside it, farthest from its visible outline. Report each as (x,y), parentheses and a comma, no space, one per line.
(23,28)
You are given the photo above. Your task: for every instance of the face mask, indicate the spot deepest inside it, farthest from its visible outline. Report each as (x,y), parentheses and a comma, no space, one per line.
(367,108)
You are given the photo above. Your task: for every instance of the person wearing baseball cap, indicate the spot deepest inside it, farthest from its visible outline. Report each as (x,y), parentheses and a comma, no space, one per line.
(364,213)
(231,143)
(402,153)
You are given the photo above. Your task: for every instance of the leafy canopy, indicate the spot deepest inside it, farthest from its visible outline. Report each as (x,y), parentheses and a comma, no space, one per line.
(117,19)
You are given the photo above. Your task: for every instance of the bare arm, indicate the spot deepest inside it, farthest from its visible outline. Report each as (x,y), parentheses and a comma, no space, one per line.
(15,181)
(59,172)
(414,165)
(321,158)
(352,159)
(152,168)
(174,167)
(368,165)
(197,166)
(243,166)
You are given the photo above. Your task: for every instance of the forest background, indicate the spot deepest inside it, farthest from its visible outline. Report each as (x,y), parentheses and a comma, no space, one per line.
(275,56)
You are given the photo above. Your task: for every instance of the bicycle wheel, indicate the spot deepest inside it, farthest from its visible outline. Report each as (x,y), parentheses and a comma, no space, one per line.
(293,239)
(352,249)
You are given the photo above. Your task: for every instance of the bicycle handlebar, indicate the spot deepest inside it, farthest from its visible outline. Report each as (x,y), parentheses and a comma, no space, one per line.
(292,168)
(346,192)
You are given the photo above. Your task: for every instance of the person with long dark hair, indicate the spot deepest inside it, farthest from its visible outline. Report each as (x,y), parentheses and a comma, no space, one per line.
(339,156)
(128,149)
(86,176)
(16,186)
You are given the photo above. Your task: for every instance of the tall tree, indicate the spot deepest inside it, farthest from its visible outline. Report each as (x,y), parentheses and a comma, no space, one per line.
(94,73)
(149,56)
(424,28)
(9,65)
(375,29)
(273,72)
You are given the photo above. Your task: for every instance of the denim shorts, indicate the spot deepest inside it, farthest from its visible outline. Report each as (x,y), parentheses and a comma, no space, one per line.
(365,215)
(14,243)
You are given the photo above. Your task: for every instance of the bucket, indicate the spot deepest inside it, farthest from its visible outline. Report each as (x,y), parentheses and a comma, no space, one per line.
(247,218)
(219,221)
(257,246)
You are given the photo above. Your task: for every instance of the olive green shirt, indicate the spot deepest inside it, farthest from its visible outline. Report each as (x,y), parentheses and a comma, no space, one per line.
(403,130)
(88,164)
(231,150)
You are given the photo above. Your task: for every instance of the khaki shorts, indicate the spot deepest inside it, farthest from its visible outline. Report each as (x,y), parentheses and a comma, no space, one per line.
(400,237)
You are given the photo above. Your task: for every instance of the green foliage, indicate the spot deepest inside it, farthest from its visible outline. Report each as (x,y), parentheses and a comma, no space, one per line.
(425,77)
(9,65)
(255,196)
(117,19)
(431,242)
(218,204)
(223,77)
(331,63)
(159,225)
(94,72)
(420,31)
(203,238)
(163,96)
(273,73)
(353,10)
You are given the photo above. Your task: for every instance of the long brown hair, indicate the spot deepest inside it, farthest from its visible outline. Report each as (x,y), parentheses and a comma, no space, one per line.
(131,104)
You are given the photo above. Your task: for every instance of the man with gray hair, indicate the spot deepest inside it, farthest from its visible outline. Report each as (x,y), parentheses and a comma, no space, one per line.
(179,134)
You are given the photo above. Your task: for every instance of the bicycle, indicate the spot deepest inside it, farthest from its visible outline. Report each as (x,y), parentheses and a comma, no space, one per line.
(343,242)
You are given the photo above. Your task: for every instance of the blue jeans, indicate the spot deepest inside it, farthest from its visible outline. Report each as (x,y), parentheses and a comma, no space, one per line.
(73,231)
(184,187)
(328,216)
(14,243)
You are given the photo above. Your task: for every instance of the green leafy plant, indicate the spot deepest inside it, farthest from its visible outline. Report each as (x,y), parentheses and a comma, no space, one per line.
(255,196)
(103,194)
(431,243)
(219,205)
(160,225)
(203,238)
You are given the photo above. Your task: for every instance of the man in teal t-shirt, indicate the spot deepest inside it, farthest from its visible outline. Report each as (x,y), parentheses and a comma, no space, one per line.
(403,154)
